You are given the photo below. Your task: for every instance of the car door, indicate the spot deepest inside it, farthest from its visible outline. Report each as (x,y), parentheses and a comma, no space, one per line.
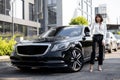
(87,43)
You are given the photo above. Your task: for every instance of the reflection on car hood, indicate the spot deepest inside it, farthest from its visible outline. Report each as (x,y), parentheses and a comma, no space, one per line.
(43,40)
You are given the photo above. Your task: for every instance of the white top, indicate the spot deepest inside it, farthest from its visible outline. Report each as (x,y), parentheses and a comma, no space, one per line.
(97,28)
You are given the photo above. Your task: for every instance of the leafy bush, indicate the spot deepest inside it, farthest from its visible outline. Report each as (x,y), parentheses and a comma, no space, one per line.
(6,46)
(79,21)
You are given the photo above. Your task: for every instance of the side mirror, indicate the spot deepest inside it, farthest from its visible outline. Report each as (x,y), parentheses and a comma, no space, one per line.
(87,33)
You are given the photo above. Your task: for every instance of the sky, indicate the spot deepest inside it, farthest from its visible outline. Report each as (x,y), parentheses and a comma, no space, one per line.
(112,9)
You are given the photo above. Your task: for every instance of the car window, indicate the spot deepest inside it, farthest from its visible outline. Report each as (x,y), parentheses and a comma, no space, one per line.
(71,32)
(117,36)
(63,31)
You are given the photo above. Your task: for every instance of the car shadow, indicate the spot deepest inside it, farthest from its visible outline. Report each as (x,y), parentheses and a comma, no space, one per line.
(44,71)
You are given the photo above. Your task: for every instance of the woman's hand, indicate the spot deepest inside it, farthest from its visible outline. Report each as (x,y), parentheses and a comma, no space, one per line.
(103,42)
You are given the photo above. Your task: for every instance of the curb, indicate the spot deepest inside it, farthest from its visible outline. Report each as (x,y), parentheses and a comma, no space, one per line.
(4,58)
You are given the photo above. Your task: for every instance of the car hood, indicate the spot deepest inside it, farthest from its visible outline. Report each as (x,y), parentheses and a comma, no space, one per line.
(45,40)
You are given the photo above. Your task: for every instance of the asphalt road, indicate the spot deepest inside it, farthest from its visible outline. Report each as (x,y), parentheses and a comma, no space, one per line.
(111,71)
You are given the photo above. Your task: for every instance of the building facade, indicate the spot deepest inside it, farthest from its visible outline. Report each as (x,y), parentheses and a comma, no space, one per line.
(60,12)
(20,17)
(102,9)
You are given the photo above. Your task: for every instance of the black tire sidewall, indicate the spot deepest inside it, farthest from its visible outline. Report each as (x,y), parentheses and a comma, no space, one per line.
(82,60)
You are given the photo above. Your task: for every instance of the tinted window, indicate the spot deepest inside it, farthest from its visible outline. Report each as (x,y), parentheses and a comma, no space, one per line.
(117,36)
(64,31)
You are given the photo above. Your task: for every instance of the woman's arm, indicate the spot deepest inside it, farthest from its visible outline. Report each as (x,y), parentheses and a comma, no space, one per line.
(104,36)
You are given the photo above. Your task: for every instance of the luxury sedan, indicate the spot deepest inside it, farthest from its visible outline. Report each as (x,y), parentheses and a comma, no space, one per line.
(66,46)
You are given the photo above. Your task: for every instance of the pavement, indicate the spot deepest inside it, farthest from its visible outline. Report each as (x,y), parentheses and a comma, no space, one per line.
(4,58)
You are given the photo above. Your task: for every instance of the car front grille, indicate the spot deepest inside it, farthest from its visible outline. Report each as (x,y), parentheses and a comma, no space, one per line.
(32,49)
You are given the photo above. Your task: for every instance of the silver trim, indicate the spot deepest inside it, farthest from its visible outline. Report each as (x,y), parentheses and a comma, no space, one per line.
(27,44)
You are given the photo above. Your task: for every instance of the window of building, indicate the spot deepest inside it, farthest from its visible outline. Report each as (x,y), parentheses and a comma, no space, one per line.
(52,12)
(31,14)
(51,15)
(31,31)
(85,15)
(79,4)
(19,30)
(89,19)
(2,6)
(52,2)
(90,10)
(23,9)
(89,1)
(1,28)
(38,10)
(5,7)
(85,0)
(79,12)
(85,6)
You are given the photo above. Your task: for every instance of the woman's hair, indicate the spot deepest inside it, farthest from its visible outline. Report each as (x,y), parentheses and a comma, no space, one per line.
(98,15)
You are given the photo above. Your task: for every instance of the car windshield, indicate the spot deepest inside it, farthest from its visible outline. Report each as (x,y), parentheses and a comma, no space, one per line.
(107,35)
(63,32)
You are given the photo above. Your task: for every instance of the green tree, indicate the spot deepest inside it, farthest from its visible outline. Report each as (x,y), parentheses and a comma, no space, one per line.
(79,21)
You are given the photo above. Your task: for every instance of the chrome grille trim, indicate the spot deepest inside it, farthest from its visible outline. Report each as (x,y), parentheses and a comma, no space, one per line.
(33,44)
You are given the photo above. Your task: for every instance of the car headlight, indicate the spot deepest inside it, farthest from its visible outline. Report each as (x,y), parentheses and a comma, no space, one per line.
(60,46)
(14,50)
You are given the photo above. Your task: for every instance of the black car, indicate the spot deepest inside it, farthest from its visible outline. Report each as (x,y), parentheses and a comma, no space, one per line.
(65,46)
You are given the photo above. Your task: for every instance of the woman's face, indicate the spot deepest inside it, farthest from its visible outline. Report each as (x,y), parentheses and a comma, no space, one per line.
(98,19)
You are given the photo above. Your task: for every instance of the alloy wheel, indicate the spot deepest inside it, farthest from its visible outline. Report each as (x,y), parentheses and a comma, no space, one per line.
(75,60)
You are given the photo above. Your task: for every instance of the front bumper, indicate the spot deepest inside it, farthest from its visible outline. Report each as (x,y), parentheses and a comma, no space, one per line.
(52,59)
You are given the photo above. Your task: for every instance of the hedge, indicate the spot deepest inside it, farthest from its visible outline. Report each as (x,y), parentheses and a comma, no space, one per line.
(7,46)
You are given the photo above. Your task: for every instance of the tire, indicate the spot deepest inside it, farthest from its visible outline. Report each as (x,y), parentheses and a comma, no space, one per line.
(116,48)
(110,50)
(74,59)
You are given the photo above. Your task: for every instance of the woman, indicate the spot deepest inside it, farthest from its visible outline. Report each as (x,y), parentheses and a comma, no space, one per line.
(98,30)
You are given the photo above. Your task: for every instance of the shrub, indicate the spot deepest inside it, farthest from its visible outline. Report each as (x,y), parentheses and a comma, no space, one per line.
(79,21)
(6,46)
